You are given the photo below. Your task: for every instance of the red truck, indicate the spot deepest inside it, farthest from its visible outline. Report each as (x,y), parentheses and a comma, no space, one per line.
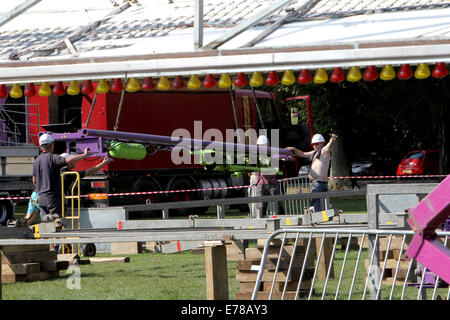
(160,113)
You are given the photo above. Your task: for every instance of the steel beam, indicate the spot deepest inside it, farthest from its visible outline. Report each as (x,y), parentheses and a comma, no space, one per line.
(18,10)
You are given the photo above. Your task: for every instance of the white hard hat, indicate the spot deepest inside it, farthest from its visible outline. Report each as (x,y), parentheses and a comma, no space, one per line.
(262,139)
(317,138)
(45,139)
(65,155)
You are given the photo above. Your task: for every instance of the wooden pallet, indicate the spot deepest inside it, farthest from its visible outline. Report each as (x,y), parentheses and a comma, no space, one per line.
(30,263)
(247,271)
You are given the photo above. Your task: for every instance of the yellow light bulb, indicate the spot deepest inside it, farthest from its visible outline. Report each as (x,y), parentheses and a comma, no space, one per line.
(288,78)
(73,89)
(194,82)
(387,73)
(16,91)
(354,74)
(321,76)
(132,85)
(224,81)
(256,79)
(163,84)
(44,90)
(102,86)
(422,71)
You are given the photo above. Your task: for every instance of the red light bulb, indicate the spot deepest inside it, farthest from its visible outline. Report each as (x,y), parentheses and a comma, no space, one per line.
(148,84)
(439,70)
(87,87)
(304,77)
(337,75)
(30,90)
(117,86)
(370,74)
(241,80)
(209,81)
(404,72)
(3,91)
(58,89)
(272,78)
(178,82)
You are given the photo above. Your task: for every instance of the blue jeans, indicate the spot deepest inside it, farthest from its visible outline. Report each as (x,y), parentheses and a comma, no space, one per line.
(318,186)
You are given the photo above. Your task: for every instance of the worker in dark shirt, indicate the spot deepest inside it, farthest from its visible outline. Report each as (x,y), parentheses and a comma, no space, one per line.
(46,177)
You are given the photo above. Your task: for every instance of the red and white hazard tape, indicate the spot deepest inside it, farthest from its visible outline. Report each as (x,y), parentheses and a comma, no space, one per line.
(93,195)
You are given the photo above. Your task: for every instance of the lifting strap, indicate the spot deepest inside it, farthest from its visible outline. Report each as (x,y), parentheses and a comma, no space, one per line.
(122,95)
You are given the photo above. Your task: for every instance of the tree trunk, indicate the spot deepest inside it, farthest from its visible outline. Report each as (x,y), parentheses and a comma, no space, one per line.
(339,167)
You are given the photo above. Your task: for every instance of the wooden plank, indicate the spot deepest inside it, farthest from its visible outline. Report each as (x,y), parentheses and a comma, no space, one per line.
(26,257)
(71,258)
(109,260)
(20,268)
(216,273)
(272,263)
(278,287)
(126,248)
(325,258)
(256,253)
(25,248)
(15,233)
(54,265)
(35,276)
(249,276)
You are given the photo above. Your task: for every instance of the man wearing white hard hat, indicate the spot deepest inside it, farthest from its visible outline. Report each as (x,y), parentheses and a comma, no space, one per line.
(263,183)
(320,163)
(46,177)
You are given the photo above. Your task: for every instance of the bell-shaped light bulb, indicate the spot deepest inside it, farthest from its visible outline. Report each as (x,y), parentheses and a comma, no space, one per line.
(209,81)
(224,81)
(3,91)
(148,84)
(58,89)
(422,71)
(117,85)
(73,89)
(240,80)
(30,90)
(337,75)
(304,77)
(439,70)
(87,87)
(44,90)
(387,73)
(288,78)
(163,84)
(256,80)
(370,74)
(354,74)
(194,82)
(404,72)
(132,85)
(321,76)
(272,78)
(178,82)
(102,86)
(16,91)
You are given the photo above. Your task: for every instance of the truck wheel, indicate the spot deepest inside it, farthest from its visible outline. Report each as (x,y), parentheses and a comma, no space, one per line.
(182,183)
(6,212)
(147,185)
(89,250)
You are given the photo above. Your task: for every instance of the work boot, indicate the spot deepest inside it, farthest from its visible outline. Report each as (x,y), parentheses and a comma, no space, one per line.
(54,216)
(47,218)
(22,222)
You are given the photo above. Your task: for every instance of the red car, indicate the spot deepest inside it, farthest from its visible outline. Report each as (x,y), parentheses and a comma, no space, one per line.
(419,162)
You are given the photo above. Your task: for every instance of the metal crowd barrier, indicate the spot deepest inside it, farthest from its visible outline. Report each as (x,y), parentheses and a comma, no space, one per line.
(307,264)
(295,185)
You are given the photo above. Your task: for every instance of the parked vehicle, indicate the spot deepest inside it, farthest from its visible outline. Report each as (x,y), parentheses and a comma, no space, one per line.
(373,164)
(419,162)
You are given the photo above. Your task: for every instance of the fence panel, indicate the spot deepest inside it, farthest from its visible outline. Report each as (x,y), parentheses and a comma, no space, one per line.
(344,264)
(295,185)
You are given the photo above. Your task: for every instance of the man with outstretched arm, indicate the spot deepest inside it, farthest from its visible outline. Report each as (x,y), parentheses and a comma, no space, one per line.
(320,162)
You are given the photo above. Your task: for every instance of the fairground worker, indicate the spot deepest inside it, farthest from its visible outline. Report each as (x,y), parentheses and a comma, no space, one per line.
(320,162)
(263,183)
(33,206)
(46,177)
